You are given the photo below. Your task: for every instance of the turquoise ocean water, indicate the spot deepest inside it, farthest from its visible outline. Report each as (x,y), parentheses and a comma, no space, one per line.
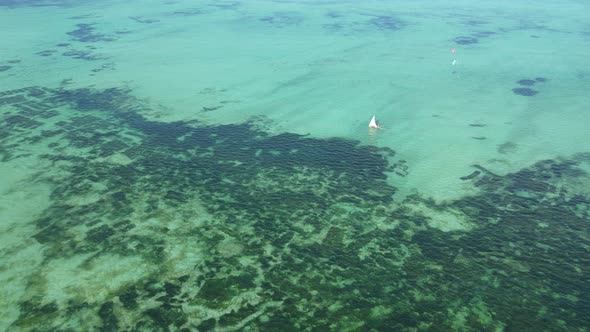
(208,166)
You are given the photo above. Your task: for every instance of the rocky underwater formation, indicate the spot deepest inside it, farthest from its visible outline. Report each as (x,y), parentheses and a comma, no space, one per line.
(185,226)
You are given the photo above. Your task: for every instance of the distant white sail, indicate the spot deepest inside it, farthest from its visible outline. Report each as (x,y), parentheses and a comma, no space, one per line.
(373,123)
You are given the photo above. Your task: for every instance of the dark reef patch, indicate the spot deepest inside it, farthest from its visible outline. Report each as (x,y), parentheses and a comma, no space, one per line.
(507,147)
(82,55)
(526,82)
(105,66)
(386,23)
(109,319)
(85,34)
(229,5)
(13,61)
(465,40)
(99,234)
(46,53)
(375,23)
(4,68)
(189,12)
(35,312)
(475,23)
(484,34)
(333,14)
(128,297)
(473,175)
(527,92)
(210,109)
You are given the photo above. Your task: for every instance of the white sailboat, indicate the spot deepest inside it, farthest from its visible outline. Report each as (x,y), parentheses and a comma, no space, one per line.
(373,123)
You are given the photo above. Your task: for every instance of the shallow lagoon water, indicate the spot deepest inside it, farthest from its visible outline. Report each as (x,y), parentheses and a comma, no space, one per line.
(207,166)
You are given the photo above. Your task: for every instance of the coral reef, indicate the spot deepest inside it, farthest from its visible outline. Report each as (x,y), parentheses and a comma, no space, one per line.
(85,34)
(527,92)
(170,226)
(465,40)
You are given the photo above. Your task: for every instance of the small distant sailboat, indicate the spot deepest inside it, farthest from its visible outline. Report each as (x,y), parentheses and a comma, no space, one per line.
(373,123)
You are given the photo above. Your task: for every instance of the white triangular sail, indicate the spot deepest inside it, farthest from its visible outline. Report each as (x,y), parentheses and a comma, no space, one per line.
(373,123)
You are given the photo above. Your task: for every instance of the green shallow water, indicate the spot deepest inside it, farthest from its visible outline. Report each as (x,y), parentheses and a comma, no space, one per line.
(207,167)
